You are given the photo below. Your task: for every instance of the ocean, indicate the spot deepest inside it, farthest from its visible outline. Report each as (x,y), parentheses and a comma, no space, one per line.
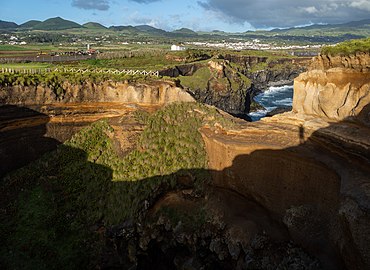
(274,97)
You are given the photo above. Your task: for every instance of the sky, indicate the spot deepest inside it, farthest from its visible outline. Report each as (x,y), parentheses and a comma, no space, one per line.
(199,15)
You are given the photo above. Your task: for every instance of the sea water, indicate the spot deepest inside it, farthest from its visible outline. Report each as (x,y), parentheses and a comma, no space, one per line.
(274,97)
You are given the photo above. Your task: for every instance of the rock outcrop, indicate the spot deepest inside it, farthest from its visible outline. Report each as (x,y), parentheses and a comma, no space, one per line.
(357,62)
(335,88)
(224,87)
(310,167)
(265,73)
(237,79)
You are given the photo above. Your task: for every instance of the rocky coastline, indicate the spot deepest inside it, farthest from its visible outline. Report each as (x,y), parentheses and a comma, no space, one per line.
(235,98)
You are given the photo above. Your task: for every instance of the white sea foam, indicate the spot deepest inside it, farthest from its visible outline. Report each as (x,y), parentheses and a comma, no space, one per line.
(274,97)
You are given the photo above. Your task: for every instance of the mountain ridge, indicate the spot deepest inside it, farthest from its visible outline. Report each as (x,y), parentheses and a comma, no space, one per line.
(353,27)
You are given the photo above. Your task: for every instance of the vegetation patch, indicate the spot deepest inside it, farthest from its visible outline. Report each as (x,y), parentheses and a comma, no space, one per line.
(348,47)
(56,205)
(258,67)
(199,80)
(56,79)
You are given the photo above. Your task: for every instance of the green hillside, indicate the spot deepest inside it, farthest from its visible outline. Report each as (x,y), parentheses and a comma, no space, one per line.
(30,24)
(185,31)
(56,24)
(94,25)
(150,29)
(126,29)
(7,25)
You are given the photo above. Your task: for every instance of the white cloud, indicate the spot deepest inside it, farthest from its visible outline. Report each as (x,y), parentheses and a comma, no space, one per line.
(310,10)
(361,4)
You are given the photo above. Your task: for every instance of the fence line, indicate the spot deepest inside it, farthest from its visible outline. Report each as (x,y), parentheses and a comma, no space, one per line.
(82,71)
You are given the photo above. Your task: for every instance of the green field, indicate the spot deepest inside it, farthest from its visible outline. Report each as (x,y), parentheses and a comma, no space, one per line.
(14,48)
(33,65)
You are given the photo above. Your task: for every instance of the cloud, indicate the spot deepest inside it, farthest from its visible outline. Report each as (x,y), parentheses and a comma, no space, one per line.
(361,4)
(285,13)
(311,10)
(91,4)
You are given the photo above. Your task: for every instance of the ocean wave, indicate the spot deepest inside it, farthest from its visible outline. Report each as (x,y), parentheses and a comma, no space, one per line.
(285,101)
(274,97)
(277,89)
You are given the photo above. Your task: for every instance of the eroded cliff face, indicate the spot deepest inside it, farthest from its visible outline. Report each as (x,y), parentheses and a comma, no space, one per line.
(335,88)
(310,167)
(150,93)
(358,62)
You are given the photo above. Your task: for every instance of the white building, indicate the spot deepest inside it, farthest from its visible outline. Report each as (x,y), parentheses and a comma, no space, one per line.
(177,48)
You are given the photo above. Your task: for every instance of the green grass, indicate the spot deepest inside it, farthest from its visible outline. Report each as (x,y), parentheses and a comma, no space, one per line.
(55,202)
(199,80)
(348,48)
(34,65)
(15,48)
(258,67)
(55,80)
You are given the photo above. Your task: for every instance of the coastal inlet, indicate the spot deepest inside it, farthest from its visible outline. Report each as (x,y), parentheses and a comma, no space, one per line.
(276,97)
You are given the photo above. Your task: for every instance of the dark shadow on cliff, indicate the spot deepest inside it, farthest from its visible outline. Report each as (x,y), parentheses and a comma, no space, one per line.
(22,137)
(287,194)
(51,212)
(299,190)
(305,187)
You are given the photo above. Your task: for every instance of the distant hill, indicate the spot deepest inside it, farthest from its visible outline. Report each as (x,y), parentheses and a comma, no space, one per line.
(150,29)
(127,29)
(30,24)
(8,25)
(328,33)
(94,25)
(185,31)
(139,29)
(354,25)
(357,24)
(56,24)
(362,23)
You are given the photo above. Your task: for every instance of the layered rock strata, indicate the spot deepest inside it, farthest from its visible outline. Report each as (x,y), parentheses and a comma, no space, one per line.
(335,88)
(152,93)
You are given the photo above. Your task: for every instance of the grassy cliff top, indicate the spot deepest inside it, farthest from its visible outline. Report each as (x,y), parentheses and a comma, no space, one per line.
(346,48)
